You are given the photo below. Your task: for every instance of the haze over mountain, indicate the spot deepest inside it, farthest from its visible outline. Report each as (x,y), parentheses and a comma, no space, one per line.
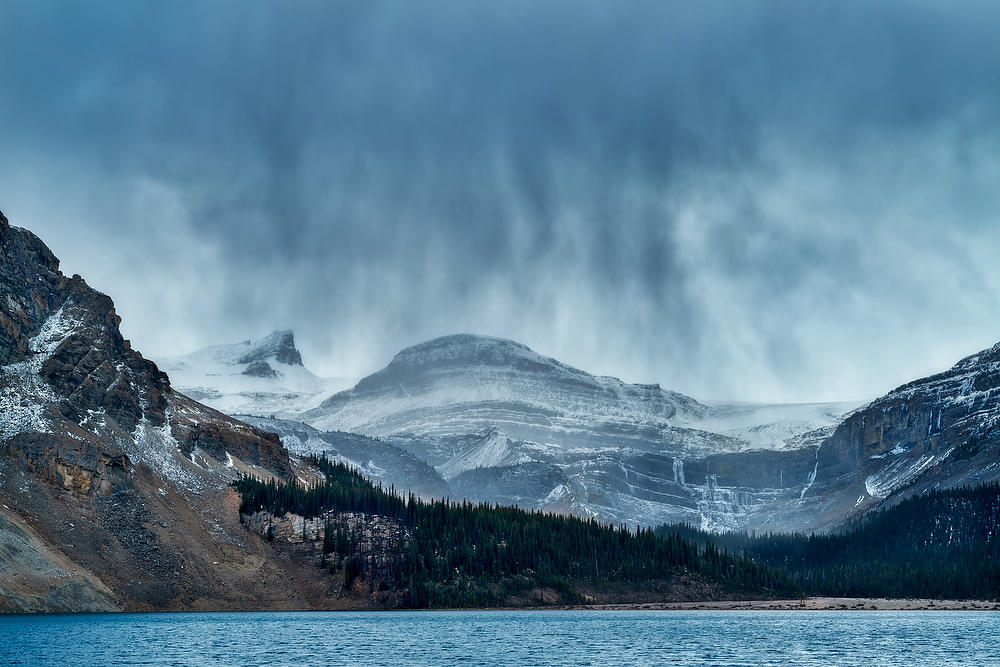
(770,190)
(100,452)
(263,377)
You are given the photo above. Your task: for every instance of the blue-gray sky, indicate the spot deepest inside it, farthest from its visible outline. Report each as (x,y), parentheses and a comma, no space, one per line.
(756,200)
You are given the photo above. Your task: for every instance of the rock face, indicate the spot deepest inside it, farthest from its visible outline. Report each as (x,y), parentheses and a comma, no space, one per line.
(528,485)
(114,485)
(280,346)
(939,431)
(76,396)
(260,377)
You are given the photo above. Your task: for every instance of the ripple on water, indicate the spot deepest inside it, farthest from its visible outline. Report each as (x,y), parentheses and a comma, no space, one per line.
(506,637)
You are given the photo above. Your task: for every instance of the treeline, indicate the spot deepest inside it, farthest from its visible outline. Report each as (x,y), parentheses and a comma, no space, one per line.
(451,554)
(942,544)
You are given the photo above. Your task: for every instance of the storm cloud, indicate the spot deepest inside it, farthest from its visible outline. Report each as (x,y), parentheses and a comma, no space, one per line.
(755,200)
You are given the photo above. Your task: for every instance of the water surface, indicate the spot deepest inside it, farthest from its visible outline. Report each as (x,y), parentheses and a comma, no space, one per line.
(506,637)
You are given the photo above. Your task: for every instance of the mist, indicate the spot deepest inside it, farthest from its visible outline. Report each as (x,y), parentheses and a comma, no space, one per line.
(768,201)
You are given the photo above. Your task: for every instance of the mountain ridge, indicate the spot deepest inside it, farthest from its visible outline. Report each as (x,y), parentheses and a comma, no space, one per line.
(467,368)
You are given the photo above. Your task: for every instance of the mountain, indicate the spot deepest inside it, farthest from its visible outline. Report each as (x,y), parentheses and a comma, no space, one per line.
(114,487)
(935,433)
(942,431)
(438,401)
(377,460)
(456,383)
(502,422)
(262,377)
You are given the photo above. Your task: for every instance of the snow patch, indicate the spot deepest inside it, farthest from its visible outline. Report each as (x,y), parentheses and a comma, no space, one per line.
(25,395)
(158,449)
(557,494)
(900,472)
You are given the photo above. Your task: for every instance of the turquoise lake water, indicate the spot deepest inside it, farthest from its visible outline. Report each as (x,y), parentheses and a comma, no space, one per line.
(509,638)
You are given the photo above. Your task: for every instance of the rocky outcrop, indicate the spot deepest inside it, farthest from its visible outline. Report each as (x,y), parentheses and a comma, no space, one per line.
(958,408)
(195,426)
(70,461)
(938,431)
(24,260)
(260,369)
(280,346)
(528,485)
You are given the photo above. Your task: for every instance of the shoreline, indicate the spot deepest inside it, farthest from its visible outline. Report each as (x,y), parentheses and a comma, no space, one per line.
(804,604)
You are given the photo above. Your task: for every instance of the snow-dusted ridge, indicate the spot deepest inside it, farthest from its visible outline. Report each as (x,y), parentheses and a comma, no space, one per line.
(498,375)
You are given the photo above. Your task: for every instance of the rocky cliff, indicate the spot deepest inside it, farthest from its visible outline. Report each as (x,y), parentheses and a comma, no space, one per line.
(938,431)
(113,487)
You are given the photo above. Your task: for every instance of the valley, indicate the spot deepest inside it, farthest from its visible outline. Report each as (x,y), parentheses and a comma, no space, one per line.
(117,478)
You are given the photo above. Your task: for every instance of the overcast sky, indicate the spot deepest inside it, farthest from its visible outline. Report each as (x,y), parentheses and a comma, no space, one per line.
(772,201)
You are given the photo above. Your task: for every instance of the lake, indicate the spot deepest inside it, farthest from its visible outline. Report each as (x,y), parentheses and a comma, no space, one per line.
(506,637)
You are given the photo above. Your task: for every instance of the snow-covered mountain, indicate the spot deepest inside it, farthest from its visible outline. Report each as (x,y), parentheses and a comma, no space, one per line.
(261,377)
(502,423)
(498,420)
(459,384)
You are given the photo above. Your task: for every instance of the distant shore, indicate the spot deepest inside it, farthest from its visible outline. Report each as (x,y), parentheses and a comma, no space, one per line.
(809,604)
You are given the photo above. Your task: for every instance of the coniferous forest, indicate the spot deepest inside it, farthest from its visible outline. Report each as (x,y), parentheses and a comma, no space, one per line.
(943,544)
(459,554)
(453,554)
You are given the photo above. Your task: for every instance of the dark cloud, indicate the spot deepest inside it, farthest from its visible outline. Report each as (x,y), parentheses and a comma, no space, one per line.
(769,200)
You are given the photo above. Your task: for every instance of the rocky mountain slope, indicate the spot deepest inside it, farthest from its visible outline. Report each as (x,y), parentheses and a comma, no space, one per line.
(113,487)
(378,460)
(937,432)
(261,377)
(940,431)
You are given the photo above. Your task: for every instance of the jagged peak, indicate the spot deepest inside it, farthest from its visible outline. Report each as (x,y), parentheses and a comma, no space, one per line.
(279,344)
